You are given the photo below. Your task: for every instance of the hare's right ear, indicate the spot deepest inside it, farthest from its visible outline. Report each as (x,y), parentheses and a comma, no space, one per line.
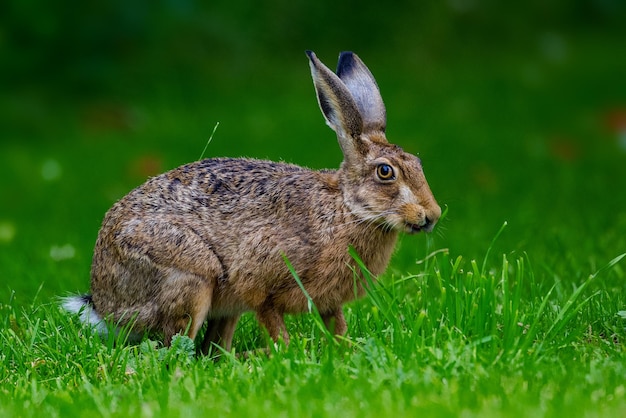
(339,109)
(364,90)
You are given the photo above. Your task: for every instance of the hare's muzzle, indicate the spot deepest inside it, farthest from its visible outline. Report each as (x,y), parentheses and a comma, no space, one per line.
(428,218)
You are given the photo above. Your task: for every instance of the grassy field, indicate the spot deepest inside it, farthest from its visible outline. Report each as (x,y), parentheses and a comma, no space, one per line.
(514,306)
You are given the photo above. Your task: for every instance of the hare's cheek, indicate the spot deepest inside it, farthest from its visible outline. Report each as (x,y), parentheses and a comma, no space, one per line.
(395,220)
(372,201)
(412,214)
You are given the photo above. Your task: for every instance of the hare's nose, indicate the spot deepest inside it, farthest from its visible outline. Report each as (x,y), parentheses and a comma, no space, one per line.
(432,216)
(430,220)
(428,224)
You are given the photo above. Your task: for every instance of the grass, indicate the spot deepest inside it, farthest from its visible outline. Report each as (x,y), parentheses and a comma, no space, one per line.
(452,341)
(515,306)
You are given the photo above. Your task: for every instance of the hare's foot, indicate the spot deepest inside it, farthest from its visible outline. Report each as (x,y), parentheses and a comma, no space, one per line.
(273,321)
(220,332)
(245,355)
(335,322)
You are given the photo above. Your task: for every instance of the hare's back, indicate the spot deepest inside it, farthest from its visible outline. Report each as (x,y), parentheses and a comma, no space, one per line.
(233,190)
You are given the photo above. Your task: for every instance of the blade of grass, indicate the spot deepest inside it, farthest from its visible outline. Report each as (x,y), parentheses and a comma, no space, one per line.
(310,304)
(493,241)
(209,141)
(369,286)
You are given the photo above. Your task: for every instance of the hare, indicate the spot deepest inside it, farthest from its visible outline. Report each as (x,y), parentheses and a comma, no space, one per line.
(207,240)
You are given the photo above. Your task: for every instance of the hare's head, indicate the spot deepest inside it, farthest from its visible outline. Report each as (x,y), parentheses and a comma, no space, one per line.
(382,184)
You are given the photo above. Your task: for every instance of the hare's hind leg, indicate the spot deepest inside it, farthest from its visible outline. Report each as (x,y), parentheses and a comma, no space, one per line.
(219,331)
(185,300)
(186,272)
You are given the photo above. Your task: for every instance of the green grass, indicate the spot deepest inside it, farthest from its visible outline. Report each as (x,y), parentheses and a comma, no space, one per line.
(453,340)
(515,306)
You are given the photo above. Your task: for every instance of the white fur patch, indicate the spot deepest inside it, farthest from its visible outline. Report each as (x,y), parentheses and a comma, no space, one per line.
(86,313)
(406,195)
(77,306)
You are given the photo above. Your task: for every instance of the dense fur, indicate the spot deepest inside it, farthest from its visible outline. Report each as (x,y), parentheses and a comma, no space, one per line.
(206,241)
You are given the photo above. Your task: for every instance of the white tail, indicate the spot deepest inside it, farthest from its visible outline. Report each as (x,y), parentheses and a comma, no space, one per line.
(82,306)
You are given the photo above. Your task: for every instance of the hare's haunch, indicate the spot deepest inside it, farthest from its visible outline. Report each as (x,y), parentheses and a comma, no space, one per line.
(207,241)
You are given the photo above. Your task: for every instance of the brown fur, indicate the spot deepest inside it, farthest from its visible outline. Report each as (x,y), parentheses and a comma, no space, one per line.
(205,241)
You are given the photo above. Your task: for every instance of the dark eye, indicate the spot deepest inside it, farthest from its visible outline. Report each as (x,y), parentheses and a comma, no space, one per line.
(385,172)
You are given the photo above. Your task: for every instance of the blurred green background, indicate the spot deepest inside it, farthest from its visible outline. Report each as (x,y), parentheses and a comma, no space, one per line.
(518,112)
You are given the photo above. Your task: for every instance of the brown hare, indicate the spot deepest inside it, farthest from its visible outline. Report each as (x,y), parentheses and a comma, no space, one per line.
(207,240)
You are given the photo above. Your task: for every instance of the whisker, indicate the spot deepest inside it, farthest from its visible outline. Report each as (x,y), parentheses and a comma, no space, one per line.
(365,217)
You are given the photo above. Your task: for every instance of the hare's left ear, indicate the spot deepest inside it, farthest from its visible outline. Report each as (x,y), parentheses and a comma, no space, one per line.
(364,90)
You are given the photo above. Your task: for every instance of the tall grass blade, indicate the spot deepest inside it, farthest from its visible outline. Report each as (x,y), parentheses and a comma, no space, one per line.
(209,141)
(493,242)
(310,304)
(369,285)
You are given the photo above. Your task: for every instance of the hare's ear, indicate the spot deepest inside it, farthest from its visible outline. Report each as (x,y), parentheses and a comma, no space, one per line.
(364,90)
(339,108)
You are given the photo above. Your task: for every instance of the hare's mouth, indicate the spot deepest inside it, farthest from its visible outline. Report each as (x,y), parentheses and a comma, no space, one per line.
(410,228)
(426,226)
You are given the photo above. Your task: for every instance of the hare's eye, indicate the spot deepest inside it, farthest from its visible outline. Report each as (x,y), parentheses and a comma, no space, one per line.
(385,172)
